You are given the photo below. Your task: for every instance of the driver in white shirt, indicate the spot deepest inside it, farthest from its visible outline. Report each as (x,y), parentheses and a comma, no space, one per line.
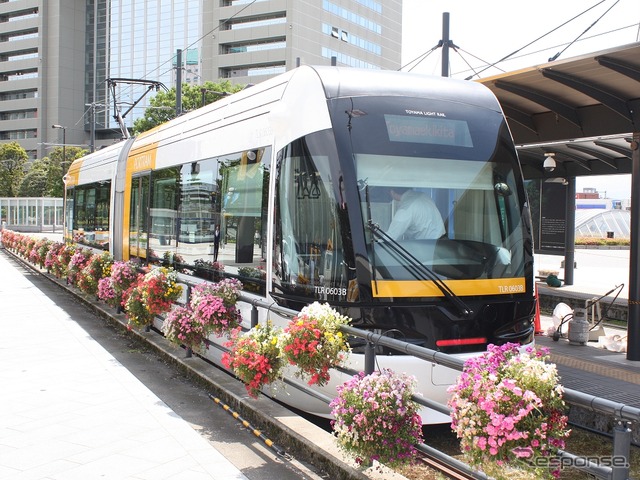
(417,217)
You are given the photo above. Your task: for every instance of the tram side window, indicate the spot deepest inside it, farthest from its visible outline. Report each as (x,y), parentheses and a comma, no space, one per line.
(90,207)
(309,256)
(163,213)
(226,194)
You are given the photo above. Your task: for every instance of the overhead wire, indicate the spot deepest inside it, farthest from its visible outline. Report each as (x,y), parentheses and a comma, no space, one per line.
(457,50)
(534,41)
(426,54)
(421,57)
(535,52)
(555,57)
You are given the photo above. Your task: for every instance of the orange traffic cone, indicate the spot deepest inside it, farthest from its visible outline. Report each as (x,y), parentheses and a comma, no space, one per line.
(537,326)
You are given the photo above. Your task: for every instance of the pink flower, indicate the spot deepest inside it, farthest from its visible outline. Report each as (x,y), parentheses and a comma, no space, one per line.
(506,405)
(376,418)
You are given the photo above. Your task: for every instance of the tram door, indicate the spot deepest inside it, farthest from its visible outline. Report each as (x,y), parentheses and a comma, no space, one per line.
(139,217)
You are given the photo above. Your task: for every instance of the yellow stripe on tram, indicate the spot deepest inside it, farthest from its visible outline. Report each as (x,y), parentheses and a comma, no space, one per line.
(428,288)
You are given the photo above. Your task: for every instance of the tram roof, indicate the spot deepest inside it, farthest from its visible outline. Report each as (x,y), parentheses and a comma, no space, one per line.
(582,109)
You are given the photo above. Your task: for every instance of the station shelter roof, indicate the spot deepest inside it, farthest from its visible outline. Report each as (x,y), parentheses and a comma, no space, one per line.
(583,110)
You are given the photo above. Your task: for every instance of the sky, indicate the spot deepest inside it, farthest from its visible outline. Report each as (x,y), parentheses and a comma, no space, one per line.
(487,31)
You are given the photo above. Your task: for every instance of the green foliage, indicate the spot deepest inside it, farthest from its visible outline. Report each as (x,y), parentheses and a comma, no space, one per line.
(42,178)
(599,241)
(57,167)
(163,106)
(13,159)
(34,183)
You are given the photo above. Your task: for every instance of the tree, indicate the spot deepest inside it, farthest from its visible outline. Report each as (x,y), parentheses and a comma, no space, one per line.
(44,178)
(57,167)
(13,159)
(34,183)
(163,106)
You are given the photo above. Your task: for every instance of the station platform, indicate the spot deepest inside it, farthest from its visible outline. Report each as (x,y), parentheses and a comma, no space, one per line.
(595,371)
(74,411)
(599,273)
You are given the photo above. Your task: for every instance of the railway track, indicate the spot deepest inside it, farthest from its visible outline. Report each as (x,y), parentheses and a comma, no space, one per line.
(444,468)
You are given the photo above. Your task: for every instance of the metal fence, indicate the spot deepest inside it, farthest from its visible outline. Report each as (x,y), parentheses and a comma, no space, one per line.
(624,414)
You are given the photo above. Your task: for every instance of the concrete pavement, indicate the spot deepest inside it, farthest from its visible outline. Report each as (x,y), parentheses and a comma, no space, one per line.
(69,410)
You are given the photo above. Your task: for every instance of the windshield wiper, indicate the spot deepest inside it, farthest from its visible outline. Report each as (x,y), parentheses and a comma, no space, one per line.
(416,268)
(362,185)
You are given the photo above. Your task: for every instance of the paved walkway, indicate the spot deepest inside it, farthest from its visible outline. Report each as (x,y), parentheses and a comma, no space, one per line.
(597,271)
(69,410)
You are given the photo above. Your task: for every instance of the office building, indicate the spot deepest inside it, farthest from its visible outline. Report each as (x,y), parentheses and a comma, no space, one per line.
(63,62)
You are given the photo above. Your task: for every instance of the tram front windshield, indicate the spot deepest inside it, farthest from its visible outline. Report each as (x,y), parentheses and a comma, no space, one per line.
(439,187)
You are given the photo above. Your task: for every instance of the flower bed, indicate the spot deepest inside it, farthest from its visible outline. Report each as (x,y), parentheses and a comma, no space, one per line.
(107,293)
(181,327)
(507,409)
(123,276)
(61,260)
(255,357)
(313,342)
(98,267)
(213,305)
(211,309)
(38,254)
(376,418)
(153,295)
(79,260)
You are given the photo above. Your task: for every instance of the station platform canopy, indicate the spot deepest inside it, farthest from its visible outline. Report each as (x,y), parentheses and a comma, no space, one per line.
(582,110)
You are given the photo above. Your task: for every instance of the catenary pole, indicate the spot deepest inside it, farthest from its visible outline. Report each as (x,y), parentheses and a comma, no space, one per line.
(633,322)
(179,83)
(445,44)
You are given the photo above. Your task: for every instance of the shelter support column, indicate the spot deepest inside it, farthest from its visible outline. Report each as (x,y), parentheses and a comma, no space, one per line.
(570,232)
(633,322)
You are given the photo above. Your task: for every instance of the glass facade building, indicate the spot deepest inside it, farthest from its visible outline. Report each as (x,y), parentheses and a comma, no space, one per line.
(59,54)
(138,40)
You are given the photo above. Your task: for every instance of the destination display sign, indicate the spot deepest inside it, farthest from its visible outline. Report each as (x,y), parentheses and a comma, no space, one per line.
(428,128)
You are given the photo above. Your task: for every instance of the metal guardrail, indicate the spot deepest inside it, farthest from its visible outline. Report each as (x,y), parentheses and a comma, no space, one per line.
(625,414)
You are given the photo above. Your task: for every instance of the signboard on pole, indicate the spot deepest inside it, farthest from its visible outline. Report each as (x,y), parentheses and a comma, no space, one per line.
(553,219)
